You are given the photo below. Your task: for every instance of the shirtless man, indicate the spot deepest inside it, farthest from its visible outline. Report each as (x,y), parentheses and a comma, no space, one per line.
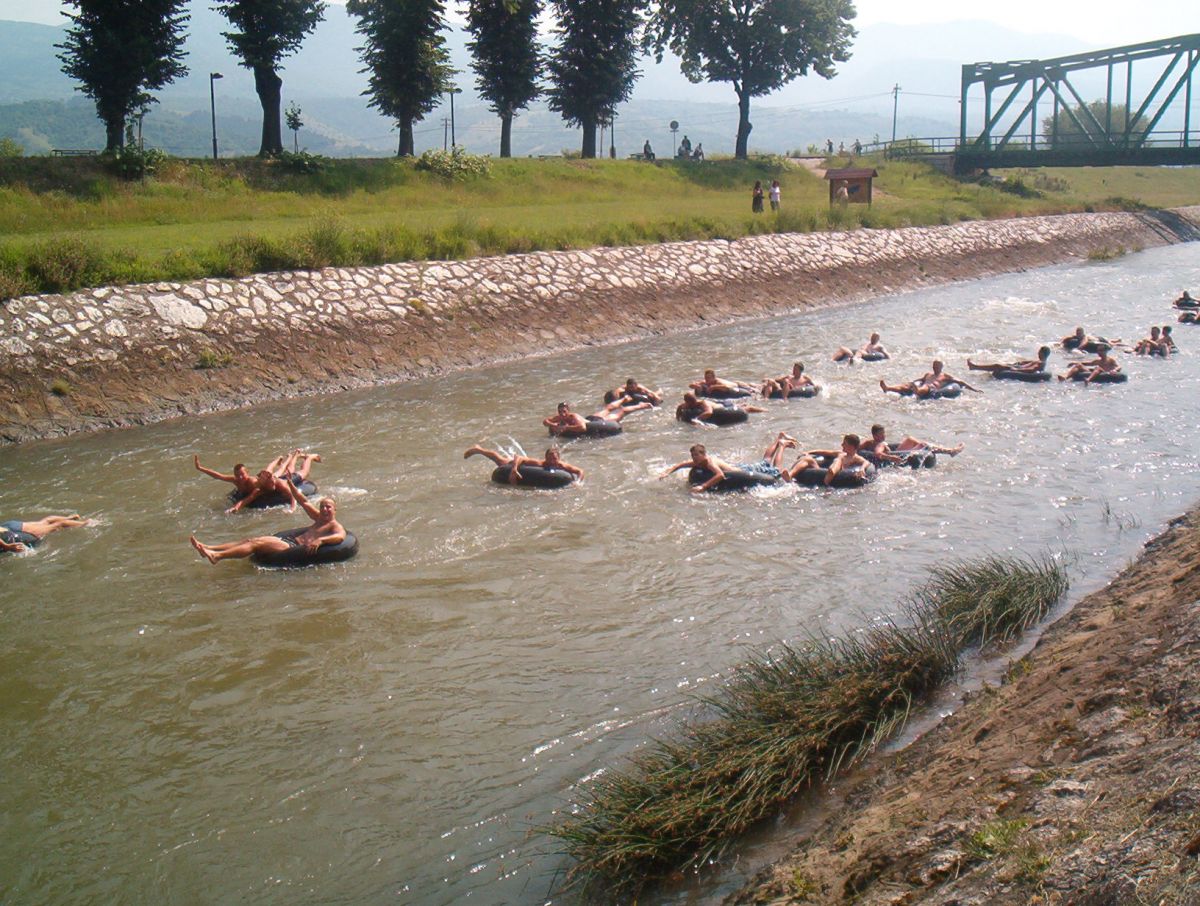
(571,424)
(1153,344)
(785,384)
(39,529)
(846,459)
(297,463)
(325,529)
(1168,340)
(878,447)
(697,411)
(1027,365)
(872,350)
(932,380)
(1186,301)
(771,463)
(552,461)
(635,392)
(1081,341)
(1104,363)
(712,385)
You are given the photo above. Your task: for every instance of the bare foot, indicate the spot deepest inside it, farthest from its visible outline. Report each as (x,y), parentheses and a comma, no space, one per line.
(971,365)
(200,548)
(474,451)
(883,386)
(954,451)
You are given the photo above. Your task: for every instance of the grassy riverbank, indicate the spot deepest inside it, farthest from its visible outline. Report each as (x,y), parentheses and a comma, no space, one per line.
(70,223)
(788,719)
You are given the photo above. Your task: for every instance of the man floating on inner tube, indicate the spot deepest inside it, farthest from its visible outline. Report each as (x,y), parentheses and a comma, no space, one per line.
(1186,301)
(277,478)
(877,448)
(17,536)
(719,388)
(723,476)
(636,392)
(783,385)
(929,384)
(552,461)
(707,414)
(325,530)
(1155,344)
(571,424)
(1030,366)
(871,351)
(845,460)
(1102,368)
(1081,341)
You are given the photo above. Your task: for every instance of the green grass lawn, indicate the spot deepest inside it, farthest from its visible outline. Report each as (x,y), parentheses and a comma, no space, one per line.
(67,223)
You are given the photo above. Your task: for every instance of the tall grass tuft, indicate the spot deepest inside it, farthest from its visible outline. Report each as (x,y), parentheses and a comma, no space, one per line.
(787,719)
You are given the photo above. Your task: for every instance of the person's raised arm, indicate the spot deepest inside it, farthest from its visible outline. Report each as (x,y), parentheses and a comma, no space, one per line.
(209,472)
(313,513)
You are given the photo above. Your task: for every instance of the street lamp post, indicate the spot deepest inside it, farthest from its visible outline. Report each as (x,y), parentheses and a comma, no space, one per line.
(674,129)
(612,137)
(212,97)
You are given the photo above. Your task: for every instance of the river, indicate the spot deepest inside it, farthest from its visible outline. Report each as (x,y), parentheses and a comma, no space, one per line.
(399,728)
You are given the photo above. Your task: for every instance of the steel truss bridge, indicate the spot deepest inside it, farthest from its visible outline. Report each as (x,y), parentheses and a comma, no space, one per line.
(1120,128)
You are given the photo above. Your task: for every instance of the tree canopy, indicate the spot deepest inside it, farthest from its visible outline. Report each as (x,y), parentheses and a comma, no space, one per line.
(120,51)
(594,65)
(1090,121)
(507,56)
(266,31)
(758,45)
(406,57)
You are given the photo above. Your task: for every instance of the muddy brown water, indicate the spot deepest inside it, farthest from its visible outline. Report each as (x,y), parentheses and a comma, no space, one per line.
(399,728)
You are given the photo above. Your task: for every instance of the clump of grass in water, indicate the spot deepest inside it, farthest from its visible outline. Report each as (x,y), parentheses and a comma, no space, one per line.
(790,718)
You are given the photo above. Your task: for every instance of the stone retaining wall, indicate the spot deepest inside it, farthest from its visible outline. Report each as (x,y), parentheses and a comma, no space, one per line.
(129,355)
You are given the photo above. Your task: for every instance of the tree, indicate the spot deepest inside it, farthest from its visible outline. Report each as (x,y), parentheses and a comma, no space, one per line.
(407,58)
(758,45)
(594,65)
(291,116)
(507,57)
(1094,122)
(266,31)
(121,50)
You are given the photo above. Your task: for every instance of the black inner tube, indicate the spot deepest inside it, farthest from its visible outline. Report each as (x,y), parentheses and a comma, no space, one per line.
(532,476)
(613,395)
(307,488)
(602,427)
(734,480)
(807,392)
(1106,377)
(856,478)
(19,538)
(873,357)
(298,556)
(1029,377)
(720,393)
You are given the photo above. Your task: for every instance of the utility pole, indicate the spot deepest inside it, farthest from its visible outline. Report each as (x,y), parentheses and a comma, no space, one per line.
(895,109)
(453,92)
(445,133)
(612,137)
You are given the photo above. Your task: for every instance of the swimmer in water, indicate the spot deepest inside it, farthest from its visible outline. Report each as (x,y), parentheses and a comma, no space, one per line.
(1104,363)
(770,465)
(1084,342)
(698,411)
(1030,366)
(872,350)
(297,464)
(785,384)
(878,448)
(712,385)
(1153,344)
(935,379)
(38,528)
(552,461)
(636,393)
(847,459)
(325,530)
(566,423)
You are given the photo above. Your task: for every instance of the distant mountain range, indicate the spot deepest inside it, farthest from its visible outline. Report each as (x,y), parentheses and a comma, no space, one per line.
(40,108)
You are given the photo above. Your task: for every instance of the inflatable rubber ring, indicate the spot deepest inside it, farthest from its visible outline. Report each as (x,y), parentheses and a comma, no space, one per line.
(533,477)
(298,556)
(1029,377)
(815,477)
(307,488)
(734,480)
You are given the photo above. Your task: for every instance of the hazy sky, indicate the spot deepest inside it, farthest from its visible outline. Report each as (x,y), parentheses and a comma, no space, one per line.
(1097,23)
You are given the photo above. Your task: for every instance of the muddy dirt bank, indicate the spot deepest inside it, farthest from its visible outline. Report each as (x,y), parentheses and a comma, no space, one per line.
(133,355)
(1074,782)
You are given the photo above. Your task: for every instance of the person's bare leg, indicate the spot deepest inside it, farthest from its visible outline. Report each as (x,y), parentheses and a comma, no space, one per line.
(992,368)
(902,389)
(912,443)
(843,355)
(304,464)
(1071,372)
(275,466)
(44,527)
(237,550)
(495,457)
(804,462)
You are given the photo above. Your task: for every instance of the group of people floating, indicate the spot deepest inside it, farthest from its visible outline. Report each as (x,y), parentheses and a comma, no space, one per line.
(708,402)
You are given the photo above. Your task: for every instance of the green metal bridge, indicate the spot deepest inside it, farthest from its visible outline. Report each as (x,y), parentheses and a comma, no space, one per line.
(1120,128)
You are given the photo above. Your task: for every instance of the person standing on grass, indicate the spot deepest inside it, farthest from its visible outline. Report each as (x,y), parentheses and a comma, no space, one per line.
(647,151)
(756,200)
(775,193)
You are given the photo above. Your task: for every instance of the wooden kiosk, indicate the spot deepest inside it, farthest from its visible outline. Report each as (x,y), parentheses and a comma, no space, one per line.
(855,180)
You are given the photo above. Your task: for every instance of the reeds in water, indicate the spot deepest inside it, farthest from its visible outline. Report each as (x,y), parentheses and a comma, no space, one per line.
(787,719)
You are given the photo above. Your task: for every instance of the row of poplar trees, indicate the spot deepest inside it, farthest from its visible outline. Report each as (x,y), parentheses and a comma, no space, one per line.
(123,50)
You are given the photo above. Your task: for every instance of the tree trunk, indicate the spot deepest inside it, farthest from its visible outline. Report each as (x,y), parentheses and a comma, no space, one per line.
(744,127)
(506,135)
(589,139)
(406,149)
(269,86)
(114,133)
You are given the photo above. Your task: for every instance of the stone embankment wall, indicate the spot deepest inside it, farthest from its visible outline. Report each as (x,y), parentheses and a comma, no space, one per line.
(136,354)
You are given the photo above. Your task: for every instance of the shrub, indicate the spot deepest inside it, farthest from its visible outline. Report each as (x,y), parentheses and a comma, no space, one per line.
(60,387)
(301,162)
(61,265)
(211,358)
(132,162)
(9,148)
(456,164)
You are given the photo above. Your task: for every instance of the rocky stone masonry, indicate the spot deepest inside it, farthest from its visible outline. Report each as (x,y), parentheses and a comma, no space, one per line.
(132,354)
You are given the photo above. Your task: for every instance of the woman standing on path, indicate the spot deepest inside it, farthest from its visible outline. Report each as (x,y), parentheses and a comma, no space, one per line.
(756,203)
